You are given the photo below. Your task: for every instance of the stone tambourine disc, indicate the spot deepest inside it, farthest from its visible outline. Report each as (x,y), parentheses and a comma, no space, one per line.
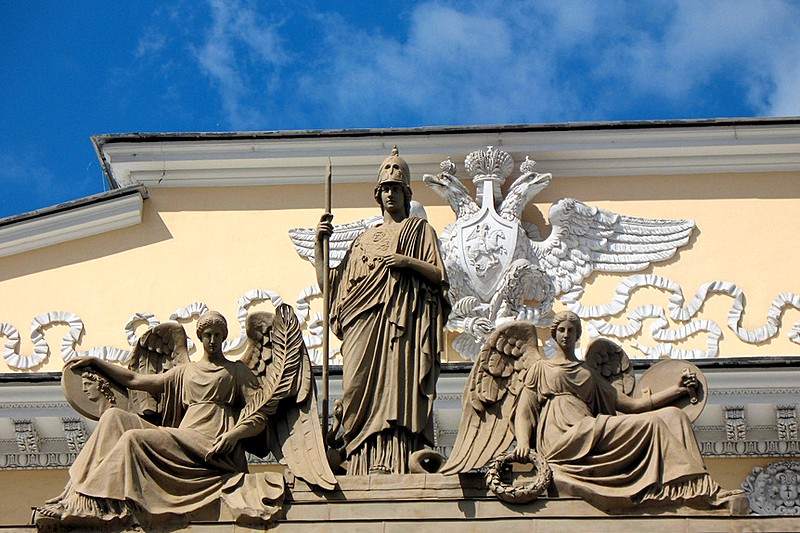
(667,373)
(72,385)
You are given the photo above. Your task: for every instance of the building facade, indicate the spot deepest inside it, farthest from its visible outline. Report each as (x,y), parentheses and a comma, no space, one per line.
(196,221)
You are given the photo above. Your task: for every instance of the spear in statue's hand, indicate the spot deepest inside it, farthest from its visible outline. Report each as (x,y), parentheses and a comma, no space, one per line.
(326,311)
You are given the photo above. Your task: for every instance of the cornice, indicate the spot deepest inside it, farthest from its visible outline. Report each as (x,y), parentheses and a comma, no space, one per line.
(73,220)
(38,413)
(133,161)
(589,150)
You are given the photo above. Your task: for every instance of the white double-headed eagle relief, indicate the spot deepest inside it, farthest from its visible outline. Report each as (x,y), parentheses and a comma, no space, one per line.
(499,266)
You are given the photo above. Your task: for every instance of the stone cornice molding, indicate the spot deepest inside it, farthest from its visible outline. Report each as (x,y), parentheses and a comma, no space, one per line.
(72,220)
(61,432)
(131,161)
(734,380)
(568,150)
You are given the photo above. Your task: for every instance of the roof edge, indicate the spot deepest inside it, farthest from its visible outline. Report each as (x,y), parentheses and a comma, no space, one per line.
(110,138)
(79,203)
(73,220)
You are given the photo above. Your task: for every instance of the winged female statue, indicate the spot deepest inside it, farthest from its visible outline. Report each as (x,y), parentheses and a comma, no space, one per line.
(159,349)
(602,445)
(211,411)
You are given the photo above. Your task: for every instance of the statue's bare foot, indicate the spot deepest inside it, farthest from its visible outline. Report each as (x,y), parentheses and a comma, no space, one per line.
(48,513)
(57,499)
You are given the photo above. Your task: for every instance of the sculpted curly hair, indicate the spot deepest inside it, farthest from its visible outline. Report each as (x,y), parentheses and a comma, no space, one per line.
(102,385)
(212,318)
(567,316)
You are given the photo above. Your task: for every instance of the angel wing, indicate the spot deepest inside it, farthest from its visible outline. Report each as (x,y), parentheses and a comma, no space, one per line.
(287,394)
(490,396)
(610,361)
(160,348)
(586,238)
(258,354)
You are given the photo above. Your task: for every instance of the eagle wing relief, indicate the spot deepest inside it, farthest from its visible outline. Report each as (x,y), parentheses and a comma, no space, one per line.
(159,349)
(342,237)
(286,394)
(491,395)
(586,238)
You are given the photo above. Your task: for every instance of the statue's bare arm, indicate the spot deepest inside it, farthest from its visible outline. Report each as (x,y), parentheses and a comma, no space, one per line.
(431,273)
(525,421)
(648,402)
(225,443)
(152,383)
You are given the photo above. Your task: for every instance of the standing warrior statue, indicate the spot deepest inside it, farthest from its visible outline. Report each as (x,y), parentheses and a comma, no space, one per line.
(389,306)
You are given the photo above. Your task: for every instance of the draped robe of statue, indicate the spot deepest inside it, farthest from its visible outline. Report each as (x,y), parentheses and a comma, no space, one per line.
(163,469)
(391,322)
(608,458)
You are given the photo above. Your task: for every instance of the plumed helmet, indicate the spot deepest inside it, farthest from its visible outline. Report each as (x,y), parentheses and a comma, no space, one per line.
(394,169)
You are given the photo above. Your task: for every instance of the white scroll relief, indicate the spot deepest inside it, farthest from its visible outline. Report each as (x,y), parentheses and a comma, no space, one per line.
(660,328)
(70,341)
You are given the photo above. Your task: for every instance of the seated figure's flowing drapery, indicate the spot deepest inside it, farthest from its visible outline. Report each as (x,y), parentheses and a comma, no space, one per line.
(163,469)
(605,457)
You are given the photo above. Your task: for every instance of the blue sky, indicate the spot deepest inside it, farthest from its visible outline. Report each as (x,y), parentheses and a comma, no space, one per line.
(74,69)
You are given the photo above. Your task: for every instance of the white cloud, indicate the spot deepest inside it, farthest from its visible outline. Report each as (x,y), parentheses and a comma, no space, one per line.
(493,62)
(26,168)
(239,46)
(27,184)
(151,43)
(700,41)
(784,99)
(454,66)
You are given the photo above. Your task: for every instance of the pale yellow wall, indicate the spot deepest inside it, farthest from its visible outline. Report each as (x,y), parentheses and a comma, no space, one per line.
(746,234)
(214,244)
